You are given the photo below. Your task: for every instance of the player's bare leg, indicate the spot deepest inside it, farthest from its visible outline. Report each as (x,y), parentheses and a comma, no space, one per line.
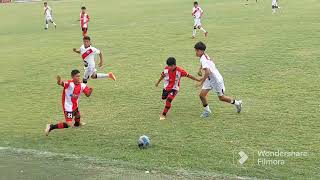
(237,103)
(204,31)
(203,97)
(194,32)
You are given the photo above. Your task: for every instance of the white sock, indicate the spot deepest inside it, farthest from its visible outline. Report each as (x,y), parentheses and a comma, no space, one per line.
(207,108)
(194,32)
(203,30)
(102,75)
(47,26)
(54,23)
(236,102)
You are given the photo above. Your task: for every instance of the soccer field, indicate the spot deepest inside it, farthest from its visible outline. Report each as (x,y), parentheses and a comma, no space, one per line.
(270,61)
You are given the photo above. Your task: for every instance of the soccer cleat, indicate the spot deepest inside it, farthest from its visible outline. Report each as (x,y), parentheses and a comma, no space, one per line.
(45,28)
(47,130)
(82,123)
(205,114)
(112,76)
(206,34)
(239,106)
(162,117)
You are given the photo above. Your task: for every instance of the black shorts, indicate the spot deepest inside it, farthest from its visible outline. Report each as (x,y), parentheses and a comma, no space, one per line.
(166,93)
(70,115)
(84,30)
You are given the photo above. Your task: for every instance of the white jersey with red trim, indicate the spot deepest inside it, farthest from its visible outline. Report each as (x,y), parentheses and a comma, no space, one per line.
(196,12)
(47,12)
(84,20)
(88,54)
(215,76)
(71,94)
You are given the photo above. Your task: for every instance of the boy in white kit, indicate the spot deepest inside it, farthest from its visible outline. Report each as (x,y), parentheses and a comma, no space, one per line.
(88,55)
(274,6)
(48,16)
(197,13)
(212,80)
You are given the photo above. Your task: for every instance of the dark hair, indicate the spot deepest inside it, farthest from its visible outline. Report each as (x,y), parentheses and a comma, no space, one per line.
(83,8)
(171,61)
(45,3)
(74,72)
(200,46)
(195,2)
(86,38)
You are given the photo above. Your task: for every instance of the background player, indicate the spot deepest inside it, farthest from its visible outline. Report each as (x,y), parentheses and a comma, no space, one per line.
(275,6)
(212,80)
(84,21)
(48,16)
(72,89)
(88,54)
(172,75)
(197,13)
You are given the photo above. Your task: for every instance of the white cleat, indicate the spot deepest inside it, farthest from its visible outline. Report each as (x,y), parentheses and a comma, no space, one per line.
(47,130)
(239,106)
(205,114)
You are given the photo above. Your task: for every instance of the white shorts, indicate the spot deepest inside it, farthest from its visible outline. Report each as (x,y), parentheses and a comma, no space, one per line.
(217,87)
(89,71)
(197,22)
(49,19)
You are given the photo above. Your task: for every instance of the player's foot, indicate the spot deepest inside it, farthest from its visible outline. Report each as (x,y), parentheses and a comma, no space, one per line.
(193,37)
(205,114)
(112,76)
(162,117)
(47,130)
(82,123)
(206,34)
(45,28)
(239,106)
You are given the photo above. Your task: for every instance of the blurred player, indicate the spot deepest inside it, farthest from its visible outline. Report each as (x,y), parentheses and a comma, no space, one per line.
(72,89)
(274,6)
(88,54)
(48,16)
(171,75)
(212,80)
(197,13)
(84,21)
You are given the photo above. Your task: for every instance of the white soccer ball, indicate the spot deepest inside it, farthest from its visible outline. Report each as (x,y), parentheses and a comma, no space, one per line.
(143,142)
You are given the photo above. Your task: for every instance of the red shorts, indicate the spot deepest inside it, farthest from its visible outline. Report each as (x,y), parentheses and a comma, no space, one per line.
(70,115)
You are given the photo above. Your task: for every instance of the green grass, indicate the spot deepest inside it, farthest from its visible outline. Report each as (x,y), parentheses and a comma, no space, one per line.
(269,61)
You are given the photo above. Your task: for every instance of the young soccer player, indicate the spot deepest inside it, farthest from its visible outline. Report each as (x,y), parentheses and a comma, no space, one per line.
(72,89)
(88,55)
(212,80)
(274,6)
(84,21)
(172,75)
(48,16)
(197,13)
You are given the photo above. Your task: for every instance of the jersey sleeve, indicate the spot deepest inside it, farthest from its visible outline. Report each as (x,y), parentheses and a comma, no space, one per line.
(184,73)
(66,84)
(200,10)
(204,64)
(86,90)
(95,50)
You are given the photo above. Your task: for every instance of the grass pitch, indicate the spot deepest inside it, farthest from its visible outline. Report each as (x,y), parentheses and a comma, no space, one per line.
(269,61)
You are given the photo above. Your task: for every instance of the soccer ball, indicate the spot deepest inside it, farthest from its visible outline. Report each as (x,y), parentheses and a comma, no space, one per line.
(143,142)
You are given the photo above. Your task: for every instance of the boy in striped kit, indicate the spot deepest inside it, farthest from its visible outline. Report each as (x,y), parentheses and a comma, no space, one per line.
(84,21)
(172,75)
(212,80)
(72,89)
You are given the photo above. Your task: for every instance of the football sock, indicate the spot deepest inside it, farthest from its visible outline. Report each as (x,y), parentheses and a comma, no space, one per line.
(233,101)
(167,107)
(47,26)
(77,122)
(102,75)
(58,126)
(54,23)
(194,32)
(203,30)
(207,108)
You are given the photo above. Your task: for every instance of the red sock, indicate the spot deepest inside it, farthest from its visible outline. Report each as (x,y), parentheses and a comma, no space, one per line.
(167,107)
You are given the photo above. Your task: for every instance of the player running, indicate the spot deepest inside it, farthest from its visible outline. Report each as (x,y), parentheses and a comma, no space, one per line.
(197,13)
(274,6)
(88,54)
(84,21)
(48,16)
(212,80)
(172,75)
(72,89)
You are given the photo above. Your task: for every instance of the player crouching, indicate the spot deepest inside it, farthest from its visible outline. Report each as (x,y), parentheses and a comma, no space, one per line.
(72,90)
(172,75)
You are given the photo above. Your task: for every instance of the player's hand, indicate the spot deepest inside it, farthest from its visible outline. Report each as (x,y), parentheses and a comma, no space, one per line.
(200,73)
(58,78)
(74,49)
(157,84)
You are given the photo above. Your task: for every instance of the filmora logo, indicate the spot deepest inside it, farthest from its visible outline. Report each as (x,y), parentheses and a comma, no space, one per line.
(243,157)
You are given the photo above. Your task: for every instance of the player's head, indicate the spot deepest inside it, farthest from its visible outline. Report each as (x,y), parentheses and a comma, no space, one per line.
(200,47)
(45,4)
(83,9)
(195,4)
(86,41)
(75,75)
(171,62)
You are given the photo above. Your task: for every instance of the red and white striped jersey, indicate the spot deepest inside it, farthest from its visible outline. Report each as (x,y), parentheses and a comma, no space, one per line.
(172,78)
(196,12)
(71,94)
(84,20)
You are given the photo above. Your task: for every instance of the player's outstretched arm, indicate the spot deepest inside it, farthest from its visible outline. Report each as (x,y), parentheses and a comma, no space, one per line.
(193,78)
(76,50)
(206,75)
(101,60)
(88,94)
(59,81)
(200,71)
(158,82)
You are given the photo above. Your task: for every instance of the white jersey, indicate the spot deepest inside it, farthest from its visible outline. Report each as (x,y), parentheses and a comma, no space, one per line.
(196,12)
(274,3)
(88,54)
(215,76)
(47,12)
